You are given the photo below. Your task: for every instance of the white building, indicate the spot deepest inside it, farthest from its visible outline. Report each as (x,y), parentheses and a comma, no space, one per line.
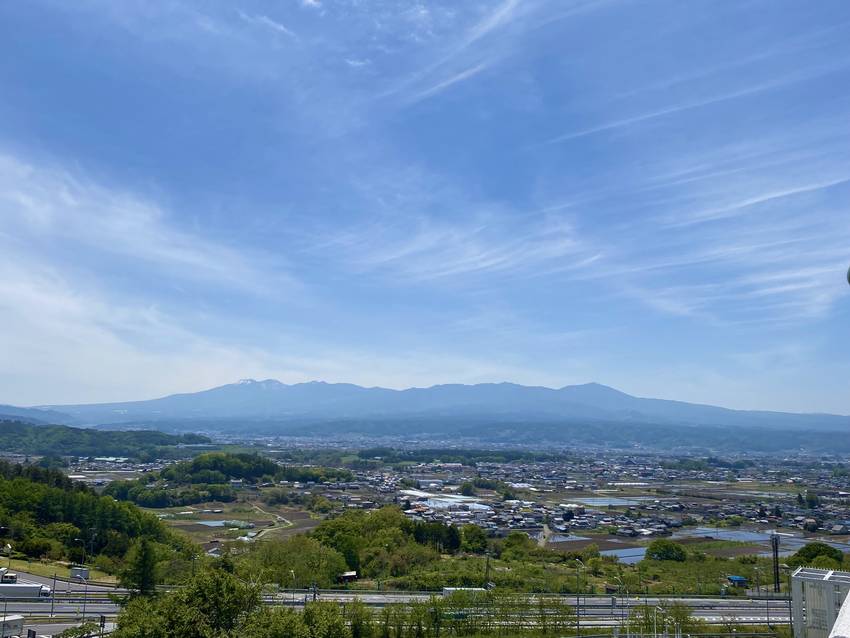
(817,596)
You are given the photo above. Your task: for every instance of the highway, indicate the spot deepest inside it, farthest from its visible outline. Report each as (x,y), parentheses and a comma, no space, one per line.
(596,610)
(62,585)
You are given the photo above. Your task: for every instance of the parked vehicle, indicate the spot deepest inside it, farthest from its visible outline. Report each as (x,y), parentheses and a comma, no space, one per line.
(7,577)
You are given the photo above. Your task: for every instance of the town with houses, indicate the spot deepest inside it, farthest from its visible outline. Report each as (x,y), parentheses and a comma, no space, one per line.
(613,500)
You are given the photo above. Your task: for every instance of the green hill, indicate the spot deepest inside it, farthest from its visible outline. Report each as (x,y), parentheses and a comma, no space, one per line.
(61,440)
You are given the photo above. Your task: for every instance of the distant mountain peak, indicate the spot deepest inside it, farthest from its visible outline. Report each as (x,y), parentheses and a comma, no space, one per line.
(316,400)
(264,383)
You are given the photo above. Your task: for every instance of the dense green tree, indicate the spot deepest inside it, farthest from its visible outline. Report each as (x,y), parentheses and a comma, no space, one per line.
(807,554)
(141,571)
(812,499)
(825,562)
(473,539)
(385,542)
(517,546)
(325,620)
(359,619)
(44,514)
(214,604)
(665,549)
(276,622)
(298,560)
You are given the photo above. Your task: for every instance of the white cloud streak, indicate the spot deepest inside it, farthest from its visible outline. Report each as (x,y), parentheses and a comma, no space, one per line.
(493,244)
(268,23)
(446,83)
(690,105)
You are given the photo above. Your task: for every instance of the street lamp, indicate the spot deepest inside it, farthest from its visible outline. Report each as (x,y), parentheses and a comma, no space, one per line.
(579,566)
(85,594)
(623,602)
(666,617)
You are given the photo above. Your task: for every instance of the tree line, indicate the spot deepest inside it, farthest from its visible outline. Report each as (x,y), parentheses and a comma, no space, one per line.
(207,478)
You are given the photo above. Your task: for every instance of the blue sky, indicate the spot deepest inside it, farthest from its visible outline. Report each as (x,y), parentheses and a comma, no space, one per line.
(652,195)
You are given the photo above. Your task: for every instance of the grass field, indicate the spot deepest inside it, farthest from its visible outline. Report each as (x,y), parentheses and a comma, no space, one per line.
(725,549)
(48,568)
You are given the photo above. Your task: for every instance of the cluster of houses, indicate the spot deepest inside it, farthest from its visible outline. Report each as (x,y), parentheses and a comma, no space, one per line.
(767,493)
(717,495)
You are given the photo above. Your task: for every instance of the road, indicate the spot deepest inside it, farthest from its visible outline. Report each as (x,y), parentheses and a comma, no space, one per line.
(62,586)
(69,600)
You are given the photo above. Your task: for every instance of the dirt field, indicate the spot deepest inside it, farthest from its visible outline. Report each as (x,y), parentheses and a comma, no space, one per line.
(206,522)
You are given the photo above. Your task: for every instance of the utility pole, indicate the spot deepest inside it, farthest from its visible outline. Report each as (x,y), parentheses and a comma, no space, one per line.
(85,594)
(774,546)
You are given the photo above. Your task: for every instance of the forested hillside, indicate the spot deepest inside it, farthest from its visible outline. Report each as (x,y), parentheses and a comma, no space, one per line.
(61,440)
(43,514)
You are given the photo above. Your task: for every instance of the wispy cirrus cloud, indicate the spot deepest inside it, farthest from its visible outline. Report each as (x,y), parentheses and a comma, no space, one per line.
(446,83)
(299,216)
(49,208)
(492,244)
(447,68)
(267,22)
(748,203)
(690,104)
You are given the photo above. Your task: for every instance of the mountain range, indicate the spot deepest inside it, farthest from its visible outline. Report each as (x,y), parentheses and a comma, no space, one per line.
(319,401)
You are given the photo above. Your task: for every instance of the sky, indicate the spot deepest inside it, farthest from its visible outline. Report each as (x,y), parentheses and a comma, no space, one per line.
(650,195)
